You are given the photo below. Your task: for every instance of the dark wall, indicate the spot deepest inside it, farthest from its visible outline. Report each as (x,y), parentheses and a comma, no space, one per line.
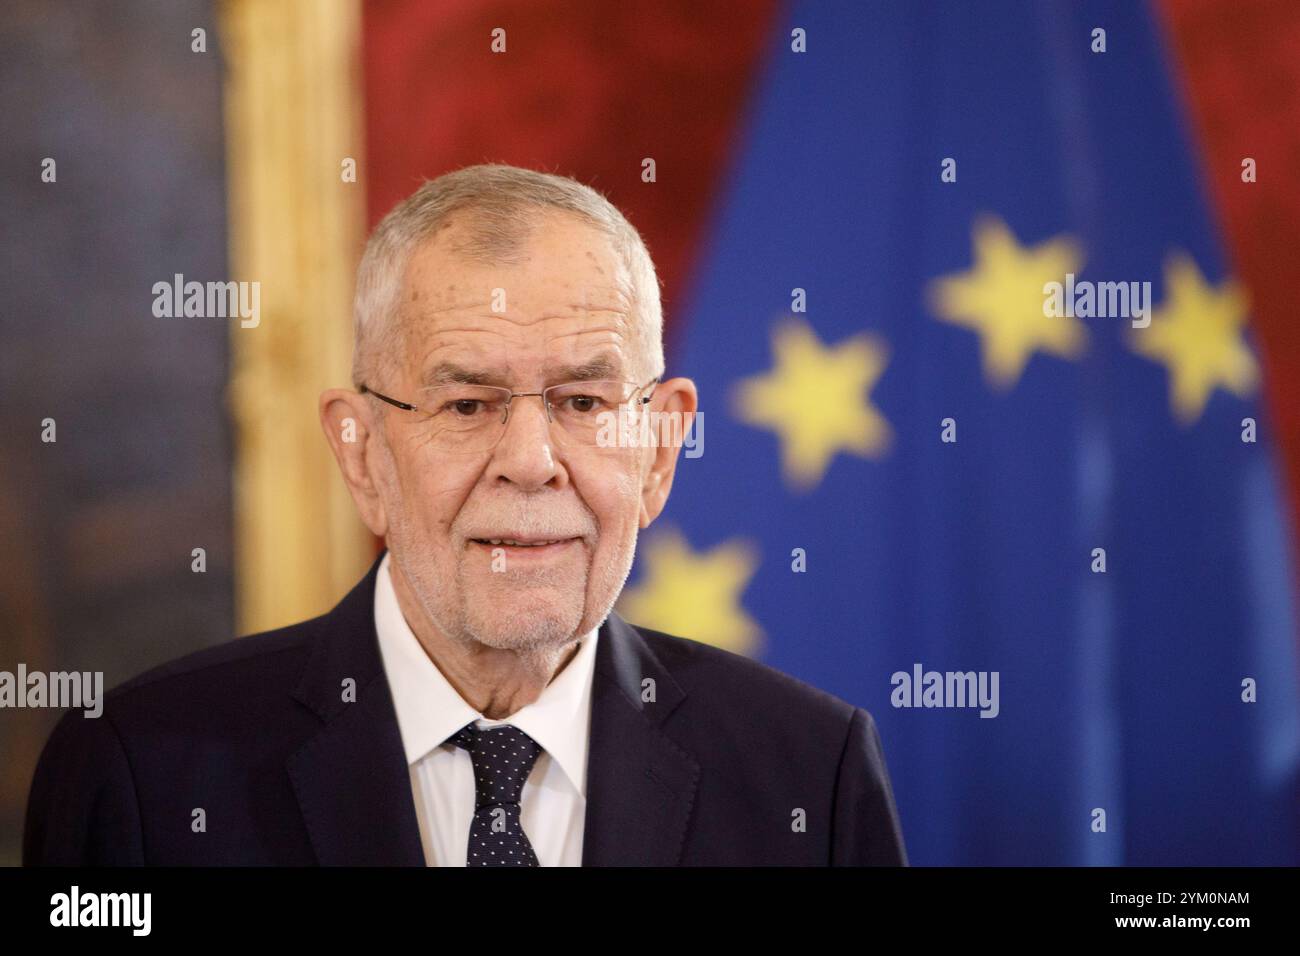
(97,528)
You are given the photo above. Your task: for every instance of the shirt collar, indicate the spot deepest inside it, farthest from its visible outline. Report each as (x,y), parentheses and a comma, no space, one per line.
(429,709)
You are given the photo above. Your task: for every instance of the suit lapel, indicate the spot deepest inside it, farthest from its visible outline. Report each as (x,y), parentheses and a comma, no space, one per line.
(640,784)
(351,779)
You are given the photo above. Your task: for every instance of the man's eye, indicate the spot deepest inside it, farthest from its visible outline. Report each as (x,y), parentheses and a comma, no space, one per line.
(465,407)
(583,403)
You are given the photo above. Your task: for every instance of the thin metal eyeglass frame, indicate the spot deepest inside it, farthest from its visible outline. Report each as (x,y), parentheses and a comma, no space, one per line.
(505,415)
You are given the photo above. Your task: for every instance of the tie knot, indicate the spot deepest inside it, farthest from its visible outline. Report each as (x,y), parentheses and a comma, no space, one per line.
(503,757)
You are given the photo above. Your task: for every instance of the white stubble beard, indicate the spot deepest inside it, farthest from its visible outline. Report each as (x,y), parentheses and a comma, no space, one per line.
(539,630)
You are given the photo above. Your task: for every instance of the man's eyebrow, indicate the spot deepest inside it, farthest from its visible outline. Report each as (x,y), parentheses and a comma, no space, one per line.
(600,367)
(449,373)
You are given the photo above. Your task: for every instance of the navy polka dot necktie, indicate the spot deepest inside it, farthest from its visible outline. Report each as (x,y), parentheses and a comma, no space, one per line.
(503,757)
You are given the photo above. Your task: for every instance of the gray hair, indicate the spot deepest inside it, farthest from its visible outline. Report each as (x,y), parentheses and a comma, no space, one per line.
(503,202)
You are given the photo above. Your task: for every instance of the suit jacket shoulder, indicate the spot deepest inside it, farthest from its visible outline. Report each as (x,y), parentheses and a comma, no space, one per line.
(187,763)
(787,773)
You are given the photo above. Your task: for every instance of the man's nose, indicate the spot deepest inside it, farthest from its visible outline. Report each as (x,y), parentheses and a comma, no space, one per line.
(527,454)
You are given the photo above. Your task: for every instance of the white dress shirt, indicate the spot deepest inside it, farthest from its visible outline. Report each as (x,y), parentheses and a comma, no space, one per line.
(553,804)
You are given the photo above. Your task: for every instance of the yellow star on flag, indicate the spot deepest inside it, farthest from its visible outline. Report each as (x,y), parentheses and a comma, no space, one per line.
(816,400)
(694,595)
(1001,297)
(1197,334)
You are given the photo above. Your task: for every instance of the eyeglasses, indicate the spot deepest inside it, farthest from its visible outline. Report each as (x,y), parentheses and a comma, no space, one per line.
(472,418)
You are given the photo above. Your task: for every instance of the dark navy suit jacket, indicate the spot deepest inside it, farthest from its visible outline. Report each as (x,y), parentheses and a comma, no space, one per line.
(732,763)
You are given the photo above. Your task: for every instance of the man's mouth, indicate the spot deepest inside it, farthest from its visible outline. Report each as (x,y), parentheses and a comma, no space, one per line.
(521,552)
(522,542)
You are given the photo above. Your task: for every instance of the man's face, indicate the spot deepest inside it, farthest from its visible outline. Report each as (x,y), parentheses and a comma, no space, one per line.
(563,310)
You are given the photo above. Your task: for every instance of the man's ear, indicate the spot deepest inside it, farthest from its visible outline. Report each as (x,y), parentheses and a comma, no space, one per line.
(346,420)
(675,402)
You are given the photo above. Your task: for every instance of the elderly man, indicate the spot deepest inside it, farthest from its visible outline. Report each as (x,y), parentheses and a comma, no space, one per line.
(474,700)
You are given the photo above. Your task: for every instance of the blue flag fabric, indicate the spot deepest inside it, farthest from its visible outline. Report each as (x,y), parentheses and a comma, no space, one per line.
(909,468)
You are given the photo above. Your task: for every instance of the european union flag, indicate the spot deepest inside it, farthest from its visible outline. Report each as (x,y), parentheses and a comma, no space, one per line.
(986,450)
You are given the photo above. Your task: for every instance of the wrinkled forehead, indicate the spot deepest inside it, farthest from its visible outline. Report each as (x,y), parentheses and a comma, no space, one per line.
(560,309)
